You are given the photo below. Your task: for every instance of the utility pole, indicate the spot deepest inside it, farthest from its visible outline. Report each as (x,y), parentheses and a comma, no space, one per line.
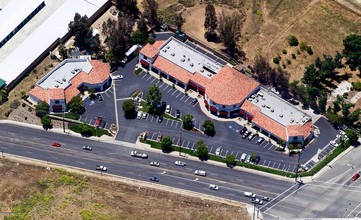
(180,139)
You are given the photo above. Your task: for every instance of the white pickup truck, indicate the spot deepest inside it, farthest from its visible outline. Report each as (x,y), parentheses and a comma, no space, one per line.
(138,154)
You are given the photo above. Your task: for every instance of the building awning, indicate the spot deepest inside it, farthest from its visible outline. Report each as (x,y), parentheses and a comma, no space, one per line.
(200,89)
(143,62)
(192,84)
(2,83)
(213,109)
(223,113)
(206,103)
(250,117)
(241,111)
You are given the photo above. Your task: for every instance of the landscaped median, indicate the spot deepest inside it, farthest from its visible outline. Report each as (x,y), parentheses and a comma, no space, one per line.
(337,151)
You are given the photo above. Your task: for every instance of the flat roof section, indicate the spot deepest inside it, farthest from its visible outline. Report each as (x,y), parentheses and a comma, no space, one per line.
(205,52)
(61,75)
(189,59)
(278,109)
(13,13)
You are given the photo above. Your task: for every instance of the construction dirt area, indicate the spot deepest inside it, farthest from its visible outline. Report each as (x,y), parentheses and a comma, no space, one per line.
(41,192)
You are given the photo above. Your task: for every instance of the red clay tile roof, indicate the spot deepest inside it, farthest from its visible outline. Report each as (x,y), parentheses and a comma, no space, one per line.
(229,87)
(150,50)
(270,125)
(99,73)
(250,108)
(305,130)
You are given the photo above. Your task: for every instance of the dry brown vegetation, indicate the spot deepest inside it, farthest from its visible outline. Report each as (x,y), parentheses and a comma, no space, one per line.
(37,193)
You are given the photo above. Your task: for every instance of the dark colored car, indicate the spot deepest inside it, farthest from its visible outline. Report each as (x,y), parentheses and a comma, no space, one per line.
(257,159)
(160,119)
(177,114)
(244,129)
(55,144)
(194,101)
(100,97)
(245,135)
(153,178)
(102,124)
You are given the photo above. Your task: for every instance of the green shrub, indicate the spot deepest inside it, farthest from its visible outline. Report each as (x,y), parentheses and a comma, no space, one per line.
(292,41)
(356,85)
(303,46)
(15,104)
(309,50)
(293,56)
(277,59)
(150,40)
(284,51)
(288,61)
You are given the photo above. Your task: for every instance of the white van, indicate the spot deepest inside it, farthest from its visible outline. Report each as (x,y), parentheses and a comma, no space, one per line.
(139,115)
(200,173)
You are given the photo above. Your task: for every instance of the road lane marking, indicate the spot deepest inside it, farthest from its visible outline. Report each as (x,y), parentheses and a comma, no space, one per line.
(80,162)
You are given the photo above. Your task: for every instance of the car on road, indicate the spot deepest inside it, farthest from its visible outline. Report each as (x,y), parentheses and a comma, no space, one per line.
(159,137)
(177,114)
(257,201)
(194,101)
(243,157)
(219,150)
(249,194)
(248,158)
(251,136)
(257,159)
(99,97)
(200,173)
(101,168)
(167,109)
(153,163)
(213,187)
(98,121)
(265,198)
(160,119)
(334,143)
(117,77)
(87,148)
(55,144)
(180,163)
(135,153)
(154,179)
(245,135)
(260,140)
(244,129)
(355,177)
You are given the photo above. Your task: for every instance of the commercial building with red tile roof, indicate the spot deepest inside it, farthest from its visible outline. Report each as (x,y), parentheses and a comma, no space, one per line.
(226,91)
(68,79)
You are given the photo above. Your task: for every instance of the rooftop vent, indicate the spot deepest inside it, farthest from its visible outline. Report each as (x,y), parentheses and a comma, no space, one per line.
(189,59)
(73,71)
(183,60)
(297,122)
(303,121)
(191,64)
(268,106)
(63,79)
(281,116)
(263,105)
(202,70)
(184,55)
(291,121)
(209,74)
(173,54)
(164,50)
(272,110)
(56,86)
(168,47)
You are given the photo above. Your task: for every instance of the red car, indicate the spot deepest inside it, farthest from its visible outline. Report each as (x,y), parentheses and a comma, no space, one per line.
(355,177)
(98,122)
(55,144)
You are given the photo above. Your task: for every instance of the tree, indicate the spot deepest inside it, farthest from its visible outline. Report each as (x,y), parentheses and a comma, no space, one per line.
(150,12)
(209,128)
(166,143)
(322,102)
(230,160)
(352,135)
(230,29)
(63,51)
(154,95)
(210,22)
(46,122)
(352,51)
(179,21)
(292,41)
(129,108)
(138,37)
(85,130)
(41,109)
(128,7)
(311,76)
(188,122)
(91,91)
(262,69)
(3,95)
(143,28)
(202,150)
(81,29)
(76,105)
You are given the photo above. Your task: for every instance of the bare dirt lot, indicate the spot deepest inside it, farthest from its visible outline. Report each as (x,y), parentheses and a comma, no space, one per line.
(34,192)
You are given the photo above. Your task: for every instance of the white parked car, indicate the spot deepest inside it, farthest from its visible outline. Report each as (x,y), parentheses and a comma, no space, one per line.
(218,150)
(167,109)
(156,164)
(117,77)
(249,194)
(139,115)
(334,143)
(213,187)
(200,173)
(243,157)
(180,163)
(145,115)
(248,158)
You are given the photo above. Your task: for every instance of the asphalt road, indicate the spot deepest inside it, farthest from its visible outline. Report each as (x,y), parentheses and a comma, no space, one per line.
(34,143)
(332,195)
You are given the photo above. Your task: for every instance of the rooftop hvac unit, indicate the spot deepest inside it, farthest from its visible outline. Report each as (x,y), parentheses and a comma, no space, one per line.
(191,64)
(281,116)
(272,110)
(168,47)
(263,105)
(63,79)
(291,121)
(297,122)
(182,60)
(202,70)
(303,121)
(56,86)
(173,54)
(164,50)
(73,71)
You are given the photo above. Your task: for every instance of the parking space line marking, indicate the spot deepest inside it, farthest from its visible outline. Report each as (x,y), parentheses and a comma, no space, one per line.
(188,144)
(172,123)
(237,155)
(166,86)
(157,82)
(177,142)
(107,94)
(283,166)
(232,152)
(167,122)
(183,143)
(160,86)
(289,166)
(170,89)
(90,120)
(211,149)
(183,97)
(279,164)
(269,163)
(173,140)
(152,119)
(193,145)
(270,147)
(266,145)
(274,164)
(187,99)
(144,76)
(153,80)
(149,78)
(178,94)
(226,153)
(174,92)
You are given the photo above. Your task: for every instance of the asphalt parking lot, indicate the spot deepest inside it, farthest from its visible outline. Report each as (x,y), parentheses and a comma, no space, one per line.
(227,133)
